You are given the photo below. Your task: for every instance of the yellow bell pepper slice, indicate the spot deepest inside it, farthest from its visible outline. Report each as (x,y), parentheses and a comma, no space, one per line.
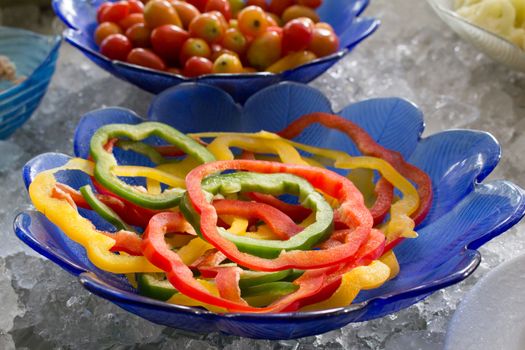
(362,277)
(61,213)
(149,173)
(181,299)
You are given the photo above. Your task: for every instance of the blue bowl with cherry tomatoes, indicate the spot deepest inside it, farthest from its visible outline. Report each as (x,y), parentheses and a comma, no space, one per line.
(240,46)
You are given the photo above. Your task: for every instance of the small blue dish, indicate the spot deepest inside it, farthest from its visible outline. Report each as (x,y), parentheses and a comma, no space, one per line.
(80,16)
(466,212)
(35,58)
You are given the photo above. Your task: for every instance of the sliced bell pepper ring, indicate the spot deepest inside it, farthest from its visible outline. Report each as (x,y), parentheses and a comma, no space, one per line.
(296,212)
(63,213)
(352,212)
(275,184)
(264,294)
(105,162)
(265,142)
(368,146)
(227,281)
(154,285)
(181,277)
(390,260)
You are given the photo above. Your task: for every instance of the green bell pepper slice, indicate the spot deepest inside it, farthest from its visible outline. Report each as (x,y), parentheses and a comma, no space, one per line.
(105,161)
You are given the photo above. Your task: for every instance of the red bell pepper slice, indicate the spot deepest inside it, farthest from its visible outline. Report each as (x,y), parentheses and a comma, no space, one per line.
(368,146)
(352,212)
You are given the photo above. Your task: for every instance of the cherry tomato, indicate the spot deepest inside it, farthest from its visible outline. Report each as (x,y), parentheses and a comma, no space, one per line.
(310,3)
(160,12)
(278,6)
(221,18)
(199,4)
(116,47)
(196,66)
(139,35)
(234,40)
(104,30)
(261,3)
(236,6)
(194,47)
(146,58)
(265,50)
(187,12)
(297,11)
(223,6)
(297,34)
(135,6)
(131,20)
(116,12)
(252,21)
(227,63)
(207,26)
(167,41)
(324,42)
(103,7)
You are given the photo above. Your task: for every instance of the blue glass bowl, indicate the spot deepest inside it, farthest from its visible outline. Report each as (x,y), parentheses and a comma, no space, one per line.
(466,212)
(35,58)
(80,16)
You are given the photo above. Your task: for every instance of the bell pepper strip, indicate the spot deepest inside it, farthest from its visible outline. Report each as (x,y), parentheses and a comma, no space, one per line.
(181,277)
(279,223)
(126,241)
(291,61)
(227,281)
(265,294)
(154,285)
(181,299)
(294,211)
(208,263)
(368,146)
(149,173)
(275,184)
(103,210)
(362,277)
(239,226)
(390,260)
(105,161)
(352,212)
(253,278)
(265,142)
(193,250)
(79,229)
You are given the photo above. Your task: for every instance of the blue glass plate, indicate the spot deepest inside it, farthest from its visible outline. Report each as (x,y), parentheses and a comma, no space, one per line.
(466,212)
(80,16)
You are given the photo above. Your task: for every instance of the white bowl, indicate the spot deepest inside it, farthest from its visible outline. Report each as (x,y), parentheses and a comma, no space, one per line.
(493,45)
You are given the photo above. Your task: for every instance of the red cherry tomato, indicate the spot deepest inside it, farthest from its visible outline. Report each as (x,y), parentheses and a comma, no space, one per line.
(116,12)
(252,21)
(146,58)
(223,6)
(116,47)
(297,34)
(324,42)
(104,30)
(131,20)
(207,26)
(310,3)
(278,6)
(187,12)
(135,6)
(217,51)
(103,7)
(167,41)
(139,35)
(199,4)
(194,47)
(196,66)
